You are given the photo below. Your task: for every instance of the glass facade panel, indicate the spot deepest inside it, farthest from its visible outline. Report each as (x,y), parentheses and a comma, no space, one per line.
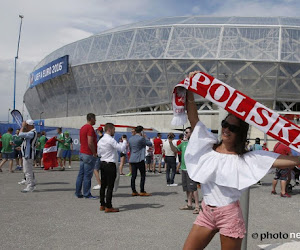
(290,45)
(99,48)
(207,20)
(250,43)
(194,42)
(82,51)
(120,45)
(255,20)
(150,43)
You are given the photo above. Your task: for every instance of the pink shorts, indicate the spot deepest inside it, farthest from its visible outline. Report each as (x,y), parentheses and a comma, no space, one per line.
(228,220)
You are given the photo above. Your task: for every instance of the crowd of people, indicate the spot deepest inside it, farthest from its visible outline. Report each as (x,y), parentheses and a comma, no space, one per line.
(204,161)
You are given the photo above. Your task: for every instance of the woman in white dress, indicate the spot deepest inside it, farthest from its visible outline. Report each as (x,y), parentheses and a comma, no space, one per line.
(224,170)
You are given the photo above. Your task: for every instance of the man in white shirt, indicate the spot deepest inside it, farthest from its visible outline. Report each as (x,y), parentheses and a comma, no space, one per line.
(107,150)
(170,160)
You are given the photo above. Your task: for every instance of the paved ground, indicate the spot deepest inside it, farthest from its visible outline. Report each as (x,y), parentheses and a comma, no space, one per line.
(52,218)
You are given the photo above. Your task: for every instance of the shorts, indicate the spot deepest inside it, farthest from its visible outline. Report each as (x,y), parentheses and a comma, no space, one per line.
(158,158)
(59,153)
(67,154)
(97,165)
(38,154)
(148,159)
(188,185)
(18,154)
(281,174)
(122,155)
(179,158)
(228,220)
(8,156)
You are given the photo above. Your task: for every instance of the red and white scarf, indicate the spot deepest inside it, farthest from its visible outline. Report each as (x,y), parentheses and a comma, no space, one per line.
(237,103)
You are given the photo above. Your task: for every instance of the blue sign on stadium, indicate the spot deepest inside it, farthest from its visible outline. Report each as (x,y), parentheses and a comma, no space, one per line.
(49,71)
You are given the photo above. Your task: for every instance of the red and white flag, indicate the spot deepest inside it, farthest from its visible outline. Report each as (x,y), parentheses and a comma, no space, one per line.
(237,103)
(49,154)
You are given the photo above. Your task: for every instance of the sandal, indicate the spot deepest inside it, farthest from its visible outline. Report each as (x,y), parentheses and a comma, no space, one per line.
(196,210)
(186,207)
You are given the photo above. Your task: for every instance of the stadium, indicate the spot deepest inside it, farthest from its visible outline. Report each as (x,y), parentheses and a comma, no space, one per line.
(126,75)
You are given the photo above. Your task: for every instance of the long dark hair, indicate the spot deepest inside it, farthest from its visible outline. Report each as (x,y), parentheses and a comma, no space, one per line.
(241,137)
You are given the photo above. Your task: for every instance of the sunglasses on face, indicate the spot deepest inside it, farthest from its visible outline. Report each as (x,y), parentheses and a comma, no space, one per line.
(231,127)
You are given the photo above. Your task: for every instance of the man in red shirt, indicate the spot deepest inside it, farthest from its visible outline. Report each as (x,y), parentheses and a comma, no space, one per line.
(88,154)
(264,146)
(281,174)
(157,142)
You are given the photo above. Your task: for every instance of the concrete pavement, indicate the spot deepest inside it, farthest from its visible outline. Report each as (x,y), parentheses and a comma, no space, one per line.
(53,218)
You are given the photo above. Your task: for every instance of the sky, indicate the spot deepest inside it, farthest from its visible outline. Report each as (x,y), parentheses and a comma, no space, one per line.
(49,25)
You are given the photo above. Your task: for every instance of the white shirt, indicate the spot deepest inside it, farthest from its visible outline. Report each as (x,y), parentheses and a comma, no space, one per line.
(167,149)
(107,148)
(223,177)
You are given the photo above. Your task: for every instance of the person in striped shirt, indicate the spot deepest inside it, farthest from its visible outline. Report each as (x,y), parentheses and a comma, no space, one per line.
(28,146)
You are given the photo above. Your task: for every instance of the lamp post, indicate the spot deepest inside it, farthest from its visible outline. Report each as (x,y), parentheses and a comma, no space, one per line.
(15,72)
(40,120)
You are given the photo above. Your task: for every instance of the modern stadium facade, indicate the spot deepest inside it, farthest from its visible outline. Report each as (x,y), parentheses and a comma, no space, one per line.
(126,75)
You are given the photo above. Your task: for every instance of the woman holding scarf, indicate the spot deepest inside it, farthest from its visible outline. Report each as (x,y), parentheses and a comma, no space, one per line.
(224,169)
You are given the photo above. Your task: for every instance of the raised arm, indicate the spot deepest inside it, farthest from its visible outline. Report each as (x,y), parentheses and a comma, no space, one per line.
(191,107)
(173,148)
(286,161)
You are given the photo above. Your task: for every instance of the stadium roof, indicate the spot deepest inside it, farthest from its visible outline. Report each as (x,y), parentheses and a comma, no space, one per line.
(194,37)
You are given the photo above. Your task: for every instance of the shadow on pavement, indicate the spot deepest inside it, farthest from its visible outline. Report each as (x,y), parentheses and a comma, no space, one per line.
(139,206)
(125,186)
(55,190)
(164,193)
(122,195)
(52,183)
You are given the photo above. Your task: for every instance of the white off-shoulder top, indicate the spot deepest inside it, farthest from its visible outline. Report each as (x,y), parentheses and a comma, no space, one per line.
(223,177)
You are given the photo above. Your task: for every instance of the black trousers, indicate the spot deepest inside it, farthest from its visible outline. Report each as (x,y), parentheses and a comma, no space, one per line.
(134,167)
(108,177)
(171,165)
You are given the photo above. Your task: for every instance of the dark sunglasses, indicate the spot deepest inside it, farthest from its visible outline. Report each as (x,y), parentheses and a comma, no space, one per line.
(232,128)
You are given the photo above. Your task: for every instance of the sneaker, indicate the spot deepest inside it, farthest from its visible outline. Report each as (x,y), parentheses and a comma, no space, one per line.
(159,172)
(174,185)
(286,195)
(79,196)
(97,187)
(122,174)
(129,174)
(145,194)
(70,166)
(111,210)
(135,194)
(28,189)
(22,182)
(259,183)
(273,192)
(168,185)
(91,197)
